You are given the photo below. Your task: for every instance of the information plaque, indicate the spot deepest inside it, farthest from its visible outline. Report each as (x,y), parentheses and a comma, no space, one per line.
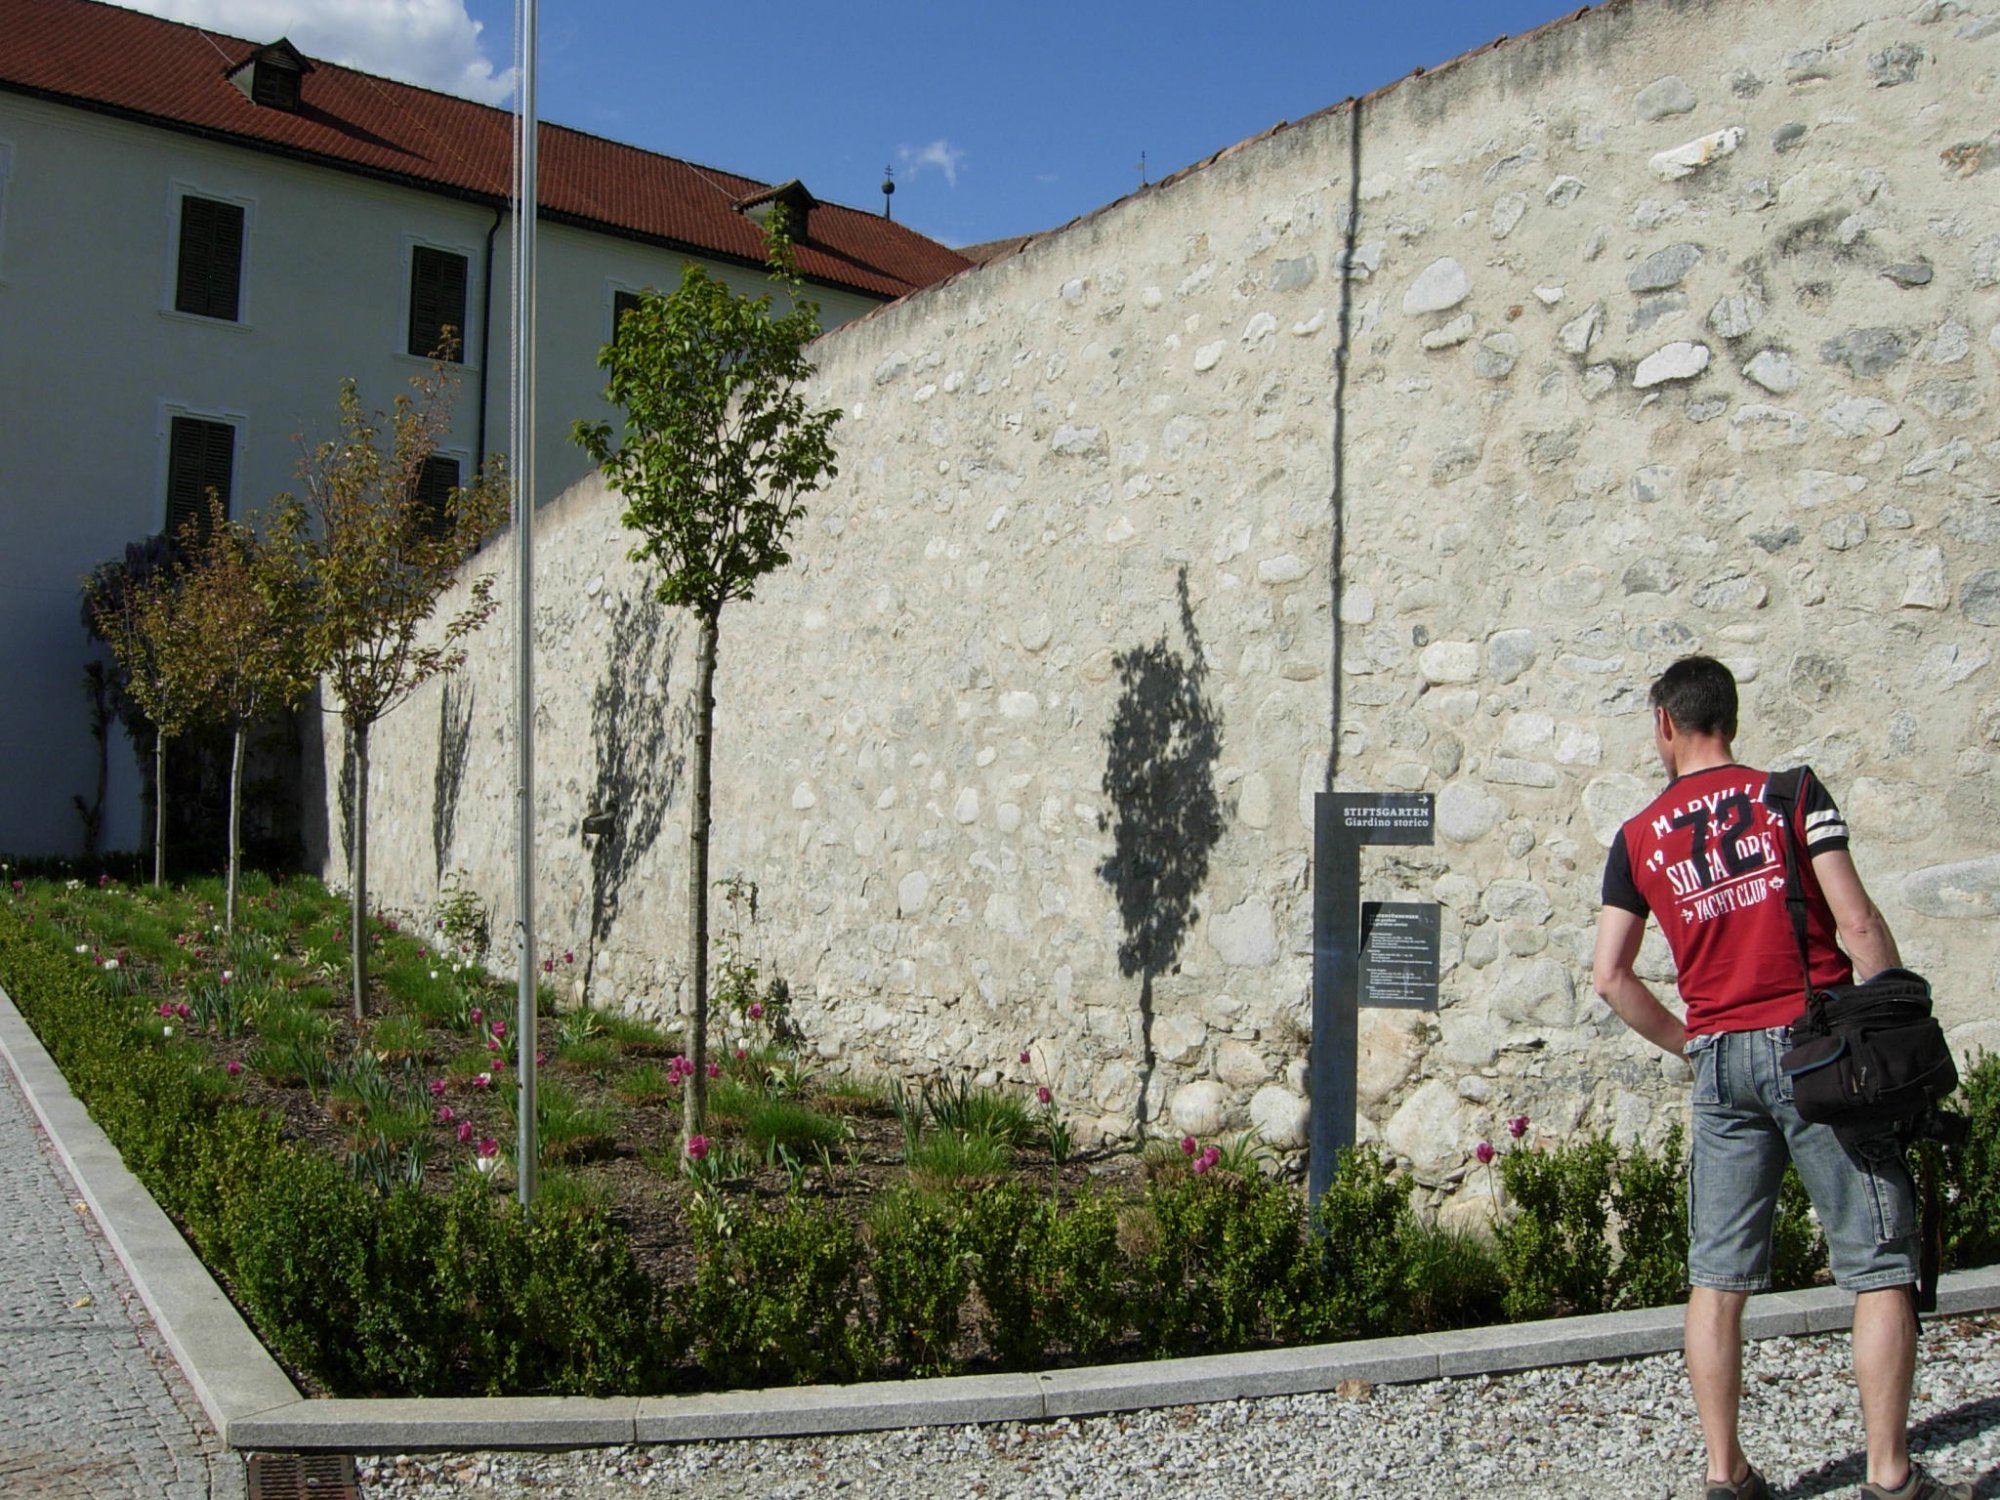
(1399,954)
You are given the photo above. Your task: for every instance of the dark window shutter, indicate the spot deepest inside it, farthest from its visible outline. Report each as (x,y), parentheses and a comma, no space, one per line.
(211,265)
(274,85)
(201,456)
(437,300)
(621,304)
(435,483)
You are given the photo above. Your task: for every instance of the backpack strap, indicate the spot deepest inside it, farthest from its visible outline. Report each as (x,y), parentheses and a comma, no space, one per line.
(1785,791)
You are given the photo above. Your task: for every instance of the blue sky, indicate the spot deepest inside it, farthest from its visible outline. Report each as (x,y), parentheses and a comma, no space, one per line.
(998,120)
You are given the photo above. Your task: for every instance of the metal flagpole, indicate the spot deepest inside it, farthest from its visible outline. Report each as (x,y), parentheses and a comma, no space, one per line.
(527,1153)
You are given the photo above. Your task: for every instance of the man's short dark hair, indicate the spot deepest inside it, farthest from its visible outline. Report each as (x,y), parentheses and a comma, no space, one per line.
(1699,695)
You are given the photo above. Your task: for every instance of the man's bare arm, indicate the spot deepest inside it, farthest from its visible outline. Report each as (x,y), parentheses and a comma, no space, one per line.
(1618,935)
(1863,931)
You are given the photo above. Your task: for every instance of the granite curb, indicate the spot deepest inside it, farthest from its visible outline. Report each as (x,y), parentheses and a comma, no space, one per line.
(255,1406)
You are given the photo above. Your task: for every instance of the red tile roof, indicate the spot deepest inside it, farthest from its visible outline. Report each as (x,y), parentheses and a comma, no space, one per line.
(137,66)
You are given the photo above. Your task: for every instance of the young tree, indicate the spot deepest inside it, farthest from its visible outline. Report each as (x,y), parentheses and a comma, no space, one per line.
(243,605)
(719,449)
(375,546)
(137,608)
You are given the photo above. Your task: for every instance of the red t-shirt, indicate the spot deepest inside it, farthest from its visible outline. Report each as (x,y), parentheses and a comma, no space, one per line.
(1703,858)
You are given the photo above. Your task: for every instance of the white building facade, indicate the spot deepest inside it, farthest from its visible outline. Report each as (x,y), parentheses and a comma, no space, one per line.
(178,304)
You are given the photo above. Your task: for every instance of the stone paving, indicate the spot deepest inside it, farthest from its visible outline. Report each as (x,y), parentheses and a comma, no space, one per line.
(91,1402)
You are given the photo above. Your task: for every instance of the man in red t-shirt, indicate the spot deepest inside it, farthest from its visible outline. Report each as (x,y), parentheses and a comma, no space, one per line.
(1704,861)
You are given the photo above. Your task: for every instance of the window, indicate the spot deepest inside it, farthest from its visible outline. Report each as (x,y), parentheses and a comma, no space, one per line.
(201,456)
(432,509)
(274,85)
(621,304)
(210,280)
(437,302)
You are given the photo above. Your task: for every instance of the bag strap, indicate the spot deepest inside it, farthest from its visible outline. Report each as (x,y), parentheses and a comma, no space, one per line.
(1785,791)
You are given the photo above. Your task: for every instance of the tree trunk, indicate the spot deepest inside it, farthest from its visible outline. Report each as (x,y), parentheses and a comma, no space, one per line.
(235,829)
(698,812)
(357,874)
(159,810)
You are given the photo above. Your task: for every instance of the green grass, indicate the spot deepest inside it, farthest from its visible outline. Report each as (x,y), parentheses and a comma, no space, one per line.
(860,1094)
(597,1054)
(646,1083)
(944,1158)
(568,1129)
(958,1106)
(776,1123)
(401,1035)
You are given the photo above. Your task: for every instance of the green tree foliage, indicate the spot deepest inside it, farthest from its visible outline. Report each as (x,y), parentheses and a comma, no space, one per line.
(375,558)
(242,602)
(718,451)
(137,608)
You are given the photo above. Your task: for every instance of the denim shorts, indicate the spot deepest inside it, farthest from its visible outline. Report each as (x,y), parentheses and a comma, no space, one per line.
(1744,1129)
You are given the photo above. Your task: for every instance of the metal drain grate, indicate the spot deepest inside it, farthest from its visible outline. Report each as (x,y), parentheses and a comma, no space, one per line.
(303,1476)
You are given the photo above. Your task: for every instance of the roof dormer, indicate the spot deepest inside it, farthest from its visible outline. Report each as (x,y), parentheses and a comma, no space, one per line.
(271,75)
(792,196)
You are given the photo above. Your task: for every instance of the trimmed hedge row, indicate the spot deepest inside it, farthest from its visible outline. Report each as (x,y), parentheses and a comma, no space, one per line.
(422,1294)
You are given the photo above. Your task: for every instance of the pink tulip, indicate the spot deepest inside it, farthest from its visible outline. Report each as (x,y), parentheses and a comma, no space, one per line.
(489,1147)
(715,1070)
(1042,1094)
(464,1131)
(756,1010)
(437,1088)
(1189,1145)
(233,1067)
(1485,1152)
(697,1147)
(475,1015)
(445,1114)
(1201,1165)
(1518,1126)
(1025,1058)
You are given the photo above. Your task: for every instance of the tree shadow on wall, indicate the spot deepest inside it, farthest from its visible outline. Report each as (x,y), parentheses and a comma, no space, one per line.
(1159,772)
(638,767)
(448,775)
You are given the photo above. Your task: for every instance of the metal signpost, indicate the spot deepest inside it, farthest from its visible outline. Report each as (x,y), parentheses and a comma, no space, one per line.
(1386,955)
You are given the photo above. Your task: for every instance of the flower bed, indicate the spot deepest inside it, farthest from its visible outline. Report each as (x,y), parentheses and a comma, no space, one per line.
(349,1185)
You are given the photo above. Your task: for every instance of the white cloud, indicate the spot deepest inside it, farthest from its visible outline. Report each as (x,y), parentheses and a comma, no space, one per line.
(940,154)
(434,43)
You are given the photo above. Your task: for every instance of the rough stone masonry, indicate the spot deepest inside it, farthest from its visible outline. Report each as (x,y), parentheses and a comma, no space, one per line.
(1401,445)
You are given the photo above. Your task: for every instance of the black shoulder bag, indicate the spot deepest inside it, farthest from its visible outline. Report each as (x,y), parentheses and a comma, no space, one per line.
(1868,1059)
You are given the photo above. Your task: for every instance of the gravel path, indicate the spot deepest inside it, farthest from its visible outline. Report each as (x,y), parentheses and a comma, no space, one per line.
(91,1402)
(1611,1430)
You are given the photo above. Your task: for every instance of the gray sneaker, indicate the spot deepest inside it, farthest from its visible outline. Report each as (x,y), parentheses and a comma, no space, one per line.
(1750,1487)
(1919,1486)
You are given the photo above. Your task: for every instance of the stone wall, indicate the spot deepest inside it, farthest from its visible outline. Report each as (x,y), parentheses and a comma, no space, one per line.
(1671,327)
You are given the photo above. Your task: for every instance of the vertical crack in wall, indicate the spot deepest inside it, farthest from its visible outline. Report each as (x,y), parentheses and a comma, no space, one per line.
(1159,772)
(1350,242)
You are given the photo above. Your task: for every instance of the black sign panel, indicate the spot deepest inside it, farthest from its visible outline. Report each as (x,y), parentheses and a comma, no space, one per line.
(1399,954)
(1383,817)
